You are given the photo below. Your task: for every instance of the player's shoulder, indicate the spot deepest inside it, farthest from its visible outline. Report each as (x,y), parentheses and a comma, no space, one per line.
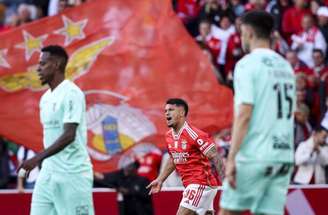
(168,133)
(72,88)
(194,132)
(246,65)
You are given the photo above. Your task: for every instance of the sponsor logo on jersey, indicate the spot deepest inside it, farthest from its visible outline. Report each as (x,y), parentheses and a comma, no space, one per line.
(180,157)
(281,142)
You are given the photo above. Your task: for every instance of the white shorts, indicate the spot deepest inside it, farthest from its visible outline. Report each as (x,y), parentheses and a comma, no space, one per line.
(198,198)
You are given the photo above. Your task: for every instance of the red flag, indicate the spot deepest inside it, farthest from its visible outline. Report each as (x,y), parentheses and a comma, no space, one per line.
(128,57)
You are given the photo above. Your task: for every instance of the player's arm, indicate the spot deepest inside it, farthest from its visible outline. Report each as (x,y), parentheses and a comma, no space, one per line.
(73,105)
(215,157)
(156,185)
(239,130)
(64,140)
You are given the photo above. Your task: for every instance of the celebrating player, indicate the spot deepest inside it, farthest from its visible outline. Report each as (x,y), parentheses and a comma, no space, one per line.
(64,185)
(260,160)
(190,152)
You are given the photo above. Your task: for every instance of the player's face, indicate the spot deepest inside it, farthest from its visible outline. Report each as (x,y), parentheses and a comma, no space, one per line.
(245,37)
(173,114)
(46,68)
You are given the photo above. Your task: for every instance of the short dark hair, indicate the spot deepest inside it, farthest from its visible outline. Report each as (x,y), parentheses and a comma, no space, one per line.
(205,20)
(261,21)
(179,102)
(318,50)
(59,52)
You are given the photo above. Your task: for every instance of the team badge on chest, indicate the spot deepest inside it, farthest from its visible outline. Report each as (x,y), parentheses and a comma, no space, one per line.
(184,144)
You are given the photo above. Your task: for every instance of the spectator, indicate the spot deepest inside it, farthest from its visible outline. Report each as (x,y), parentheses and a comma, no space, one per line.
(277,9)
(291,19)
(57,6)
(214,11)
(298,65)
(234,50)
(132,195)
(149,164)
(314,6)
(211,11)
(322,17)
(205,37)
(3,27)
(188,11)
(27,13)
(208,54)
(302,127)
(255,5)
(311,157)
(237,7)
(320,67)
(308,39)
(279,44)
(29,182)
(223,33)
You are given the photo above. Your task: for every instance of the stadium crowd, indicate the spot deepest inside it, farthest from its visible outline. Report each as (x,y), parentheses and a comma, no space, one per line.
(301,35)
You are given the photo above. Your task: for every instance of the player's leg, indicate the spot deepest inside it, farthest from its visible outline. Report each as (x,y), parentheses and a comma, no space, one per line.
(228,212)
(74,194)
(185,211)
(274,199)
(198,199)
(42,197)
(250,186)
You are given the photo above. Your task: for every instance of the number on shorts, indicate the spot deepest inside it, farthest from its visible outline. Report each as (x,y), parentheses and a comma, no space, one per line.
(190,194)
(277,170)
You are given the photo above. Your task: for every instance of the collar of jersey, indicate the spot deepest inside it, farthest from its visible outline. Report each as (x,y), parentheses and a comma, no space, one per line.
(61,85)
(257,50)
(177,136)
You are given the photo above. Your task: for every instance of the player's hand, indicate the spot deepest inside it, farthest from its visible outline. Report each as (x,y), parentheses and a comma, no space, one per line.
(231,173)
(29,165)
(155,186)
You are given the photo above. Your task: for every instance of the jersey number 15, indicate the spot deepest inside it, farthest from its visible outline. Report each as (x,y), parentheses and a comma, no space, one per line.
(287,98)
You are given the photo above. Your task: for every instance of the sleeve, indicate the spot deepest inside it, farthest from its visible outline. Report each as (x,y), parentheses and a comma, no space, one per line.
(320,42)
(323,156)
(243,83)
(20,154)
(74,105)
(204,142)
(304,155)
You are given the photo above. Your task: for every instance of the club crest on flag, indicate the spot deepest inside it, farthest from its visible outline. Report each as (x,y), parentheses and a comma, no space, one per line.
(114,128)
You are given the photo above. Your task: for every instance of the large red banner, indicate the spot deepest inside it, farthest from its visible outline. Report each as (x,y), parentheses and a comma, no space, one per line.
(128,57)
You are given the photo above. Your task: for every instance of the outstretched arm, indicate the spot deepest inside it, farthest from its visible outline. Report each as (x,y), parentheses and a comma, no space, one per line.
(156,185)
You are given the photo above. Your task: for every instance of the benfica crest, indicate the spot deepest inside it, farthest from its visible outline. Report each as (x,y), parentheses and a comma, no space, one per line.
(184,144)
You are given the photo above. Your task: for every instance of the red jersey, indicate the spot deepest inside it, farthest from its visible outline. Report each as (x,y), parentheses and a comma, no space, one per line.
(291,21)
(187,150)
(234,52)
(149,165)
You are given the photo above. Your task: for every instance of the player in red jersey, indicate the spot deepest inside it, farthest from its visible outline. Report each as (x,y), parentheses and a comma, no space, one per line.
(191,151)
